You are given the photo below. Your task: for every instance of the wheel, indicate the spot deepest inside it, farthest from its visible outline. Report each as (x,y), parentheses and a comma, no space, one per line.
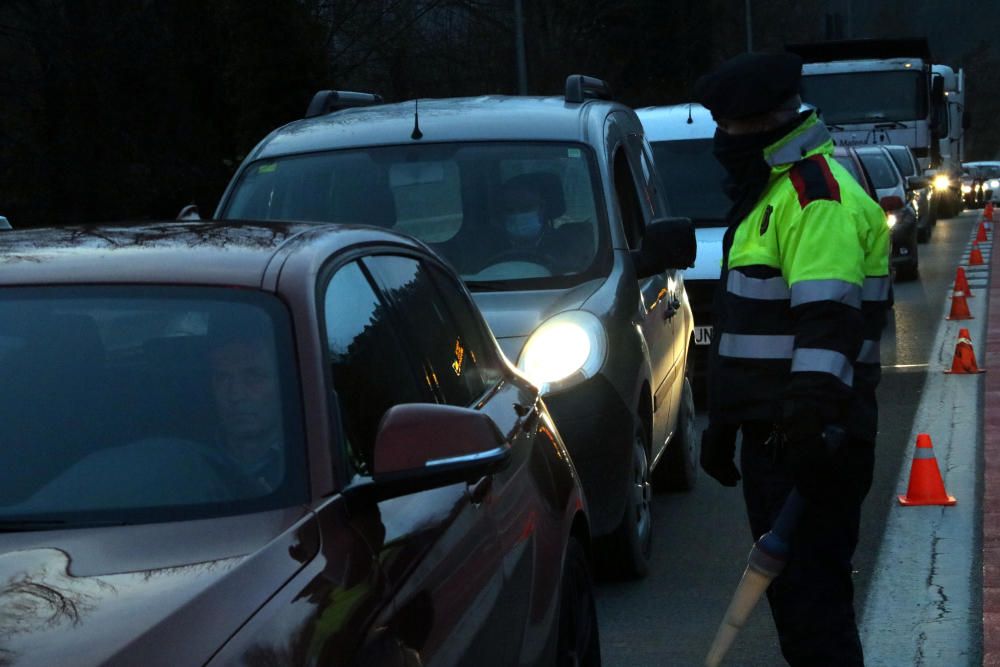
(579,643)
(678,470)
(910,271)
(923,235)
(627,550)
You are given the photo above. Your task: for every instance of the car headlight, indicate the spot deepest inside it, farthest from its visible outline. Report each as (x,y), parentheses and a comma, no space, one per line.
(891,220)
(966,189)
(994,184)
(567,348)
(942,182)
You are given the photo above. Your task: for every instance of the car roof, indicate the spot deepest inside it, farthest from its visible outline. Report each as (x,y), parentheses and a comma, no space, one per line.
(666,123)
(181,253)
(489,118)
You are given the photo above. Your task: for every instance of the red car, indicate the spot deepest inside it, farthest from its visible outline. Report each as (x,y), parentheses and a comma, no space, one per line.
(233,444)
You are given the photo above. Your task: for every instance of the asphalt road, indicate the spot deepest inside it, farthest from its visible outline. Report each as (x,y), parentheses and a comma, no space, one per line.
(702,538)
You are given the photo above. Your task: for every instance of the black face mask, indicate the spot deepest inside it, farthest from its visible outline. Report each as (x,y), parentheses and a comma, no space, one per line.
(742,156)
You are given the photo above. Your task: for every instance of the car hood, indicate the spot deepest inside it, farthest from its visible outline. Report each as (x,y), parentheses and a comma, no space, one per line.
(169,593)
(708,265)
(514,315)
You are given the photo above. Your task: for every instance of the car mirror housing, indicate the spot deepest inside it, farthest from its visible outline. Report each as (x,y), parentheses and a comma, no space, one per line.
(669,243)
(916,182)
(891,203)
(426,445)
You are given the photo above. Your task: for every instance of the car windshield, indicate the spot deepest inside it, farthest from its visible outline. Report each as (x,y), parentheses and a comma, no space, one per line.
(133,404)
(506,215)
(902,160)
(879,169)
(867,97)
(693,178)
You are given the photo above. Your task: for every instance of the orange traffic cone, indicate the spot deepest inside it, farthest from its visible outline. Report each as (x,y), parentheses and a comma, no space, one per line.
(926,486)
(981,233)
(976,256)
(962,283)
(959,306)
(988,211)
(965,357)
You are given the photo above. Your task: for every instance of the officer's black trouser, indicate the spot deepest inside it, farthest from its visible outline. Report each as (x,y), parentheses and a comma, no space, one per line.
(812,600)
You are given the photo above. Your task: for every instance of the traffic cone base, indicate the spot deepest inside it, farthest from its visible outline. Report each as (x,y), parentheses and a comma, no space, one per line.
(964,362)
(926,486)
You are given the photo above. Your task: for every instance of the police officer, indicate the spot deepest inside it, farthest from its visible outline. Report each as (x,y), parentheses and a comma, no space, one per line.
(798,315)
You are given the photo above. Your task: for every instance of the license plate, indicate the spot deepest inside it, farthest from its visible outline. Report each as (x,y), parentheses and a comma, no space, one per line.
(703,335)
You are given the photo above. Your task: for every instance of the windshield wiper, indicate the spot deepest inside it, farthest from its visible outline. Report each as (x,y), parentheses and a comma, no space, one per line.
(487,285)
(28,525)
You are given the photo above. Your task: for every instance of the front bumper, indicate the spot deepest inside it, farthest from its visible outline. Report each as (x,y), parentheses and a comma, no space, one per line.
(597,427)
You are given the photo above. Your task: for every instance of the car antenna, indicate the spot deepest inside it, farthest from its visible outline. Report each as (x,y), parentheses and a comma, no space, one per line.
(416,134)
(690,119)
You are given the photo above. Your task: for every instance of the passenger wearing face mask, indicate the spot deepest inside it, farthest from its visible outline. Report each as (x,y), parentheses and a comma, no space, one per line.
(529,204)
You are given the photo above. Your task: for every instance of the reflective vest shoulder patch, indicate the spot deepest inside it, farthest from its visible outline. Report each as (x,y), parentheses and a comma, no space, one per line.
(813,180)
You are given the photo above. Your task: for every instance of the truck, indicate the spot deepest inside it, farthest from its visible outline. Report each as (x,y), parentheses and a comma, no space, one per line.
(952,134)
(883,92)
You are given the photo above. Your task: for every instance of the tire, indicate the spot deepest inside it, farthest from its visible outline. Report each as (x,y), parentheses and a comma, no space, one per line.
(578,642)
(923,235)
(910,271)
(678,470)
(626,552)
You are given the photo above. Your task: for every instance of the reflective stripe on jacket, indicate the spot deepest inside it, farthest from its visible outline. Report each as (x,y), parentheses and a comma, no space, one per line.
(789,314)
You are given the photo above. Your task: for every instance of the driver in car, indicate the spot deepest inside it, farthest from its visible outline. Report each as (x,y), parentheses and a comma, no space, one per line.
(529,203)
(244,377)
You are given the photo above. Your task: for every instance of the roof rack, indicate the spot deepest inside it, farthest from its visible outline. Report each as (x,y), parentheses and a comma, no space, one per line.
(862,49)
(580,87)
(327,101)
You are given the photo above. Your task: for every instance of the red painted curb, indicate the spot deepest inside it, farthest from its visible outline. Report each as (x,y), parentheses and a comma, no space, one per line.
(991,477)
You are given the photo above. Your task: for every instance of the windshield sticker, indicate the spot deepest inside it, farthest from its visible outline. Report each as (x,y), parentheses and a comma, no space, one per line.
(269,168)
(574,152)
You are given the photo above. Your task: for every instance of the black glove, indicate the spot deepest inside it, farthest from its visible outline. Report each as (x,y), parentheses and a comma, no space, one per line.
(718,447)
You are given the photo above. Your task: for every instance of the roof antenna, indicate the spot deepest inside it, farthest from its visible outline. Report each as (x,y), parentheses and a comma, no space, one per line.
(416,134)
(690,119)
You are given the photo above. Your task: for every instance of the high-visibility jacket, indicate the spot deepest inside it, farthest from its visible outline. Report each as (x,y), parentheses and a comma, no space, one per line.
(803,294)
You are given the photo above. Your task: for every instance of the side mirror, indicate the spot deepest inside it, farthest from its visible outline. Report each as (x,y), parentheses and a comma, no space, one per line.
(669,243)
(916,182)
(189,212)
(425,445)
(891,203)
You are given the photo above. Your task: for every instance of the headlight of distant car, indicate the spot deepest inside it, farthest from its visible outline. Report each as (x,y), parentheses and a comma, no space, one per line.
(942,182)
(994,184)
(891,220)
(565,349)
(966,189)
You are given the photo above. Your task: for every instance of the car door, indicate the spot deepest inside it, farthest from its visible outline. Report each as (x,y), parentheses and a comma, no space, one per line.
(438,548)
(656,309)
(472,606)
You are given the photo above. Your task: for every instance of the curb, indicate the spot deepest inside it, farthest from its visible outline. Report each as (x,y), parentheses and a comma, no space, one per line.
(991,478)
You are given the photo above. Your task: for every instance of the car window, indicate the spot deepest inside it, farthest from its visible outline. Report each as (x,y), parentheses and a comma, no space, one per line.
(902,159)
(143,404)
(453,362)
(693,179)
(880,170)
(628,199)
(370,370)
(505,215)
(848,164)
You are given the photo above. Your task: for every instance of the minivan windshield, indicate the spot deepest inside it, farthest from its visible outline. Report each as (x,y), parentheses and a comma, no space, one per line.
(879,169)
(506,215)
(692,179)
(868,97)
(139,404)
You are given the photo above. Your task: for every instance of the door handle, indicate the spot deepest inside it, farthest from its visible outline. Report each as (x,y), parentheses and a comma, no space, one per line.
(480,489)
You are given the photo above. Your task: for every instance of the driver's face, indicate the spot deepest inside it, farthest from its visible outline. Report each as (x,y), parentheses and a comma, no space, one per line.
(245,387)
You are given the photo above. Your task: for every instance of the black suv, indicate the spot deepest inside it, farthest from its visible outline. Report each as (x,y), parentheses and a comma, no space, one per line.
(550,210)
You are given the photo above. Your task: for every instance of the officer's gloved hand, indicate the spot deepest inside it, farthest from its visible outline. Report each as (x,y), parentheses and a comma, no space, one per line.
(814,450)
(718,447)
